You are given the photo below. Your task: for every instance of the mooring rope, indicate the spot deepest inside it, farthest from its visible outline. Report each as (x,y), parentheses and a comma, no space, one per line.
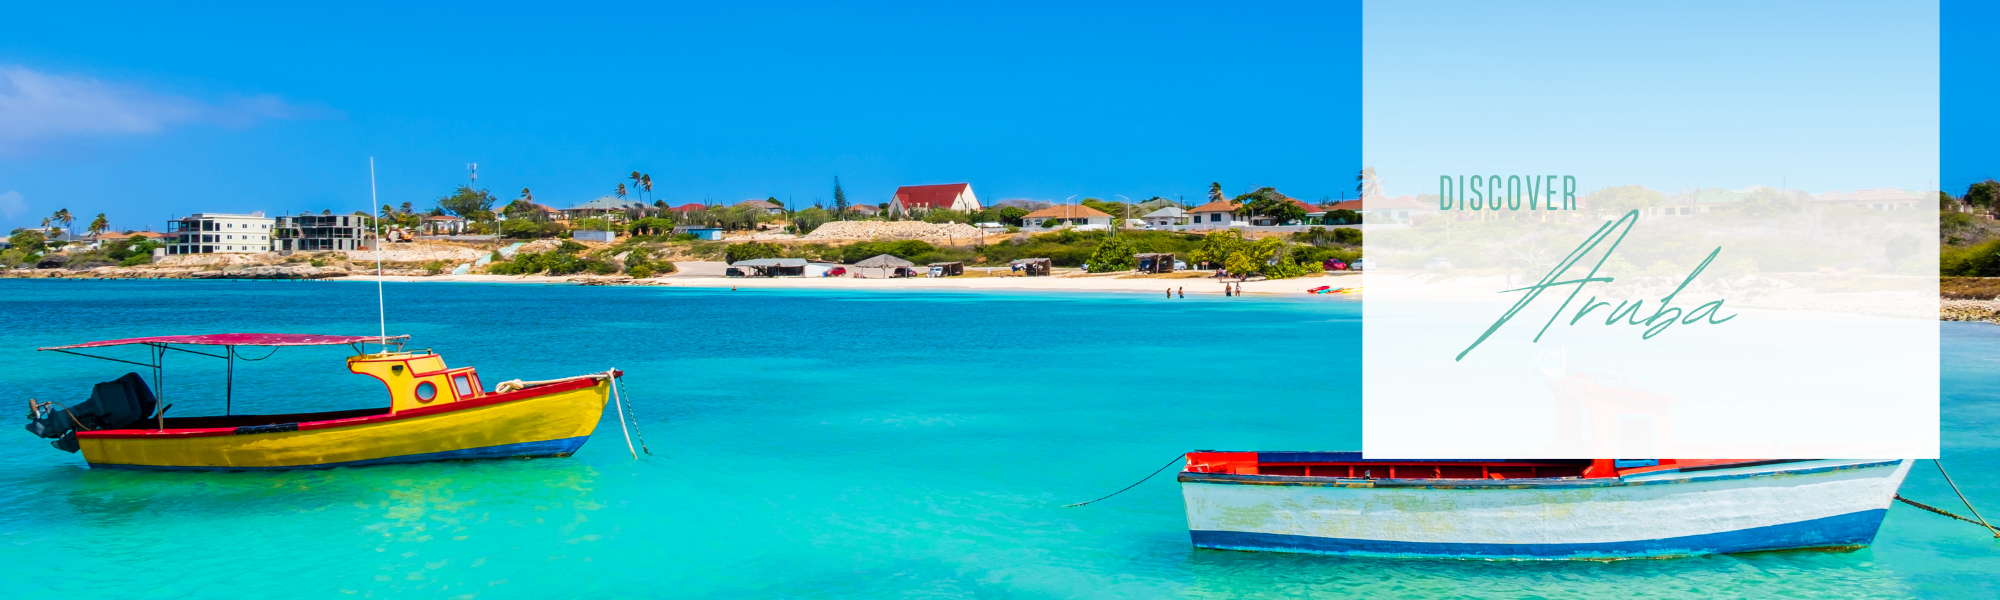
(1961,498)
(621,411)
(1934,509)
(1177,458)
(632,413)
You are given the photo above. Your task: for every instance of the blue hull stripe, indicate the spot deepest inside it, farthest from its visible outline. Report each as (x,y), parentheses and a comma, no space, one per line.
(561,447)
(1852,529)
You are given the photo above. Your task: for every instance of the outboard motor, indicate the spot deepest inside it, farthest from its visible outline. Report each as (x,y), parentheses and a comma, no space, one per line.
(116,404)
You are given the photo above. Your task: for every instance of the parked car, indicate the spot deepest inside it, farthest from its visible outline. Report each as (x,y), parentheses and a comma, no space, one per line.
(1362,264)
(1180,265)
(1438,263)
(1334,264)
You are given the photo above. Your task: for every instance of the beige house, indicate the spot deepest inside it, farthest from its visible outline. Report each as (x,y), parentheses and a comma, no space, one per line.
(1066,215)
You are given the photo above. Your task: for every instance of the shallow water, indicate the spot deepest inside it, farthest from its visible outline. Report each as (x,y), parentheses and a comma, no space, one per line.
(814,444)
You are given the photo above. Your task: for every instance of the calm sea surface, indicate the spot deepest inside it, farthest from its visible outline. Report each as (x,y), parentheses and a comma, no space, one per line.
(812,444)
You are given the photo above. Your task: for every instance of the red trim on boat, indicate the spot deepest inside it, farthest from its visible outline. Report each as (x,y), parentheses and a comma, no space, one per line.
(1250,463)
(487,400)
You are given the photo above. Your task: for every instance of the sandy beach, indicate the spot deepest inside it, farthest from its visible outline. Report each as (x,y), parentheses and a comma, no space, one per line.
(705,274)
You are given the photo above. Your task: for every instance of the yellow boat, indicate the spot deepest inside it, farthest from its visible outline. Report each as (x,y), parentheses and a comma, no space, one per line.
(434,413)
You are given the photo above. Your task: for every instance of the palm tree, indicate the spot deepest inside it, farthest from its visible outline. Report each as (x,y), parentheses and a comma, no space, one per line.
(99,225)
(636,178)
(1367,183)
(646,183)
(64,217)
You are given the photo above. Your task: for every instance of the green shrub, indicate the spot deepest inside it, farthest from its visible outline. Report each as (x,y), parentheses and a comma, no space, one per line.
(752,250)
(560,261)
(1113,254)
(1347,235)
(526,229)
(903,249)
(1982,260)
(640,271)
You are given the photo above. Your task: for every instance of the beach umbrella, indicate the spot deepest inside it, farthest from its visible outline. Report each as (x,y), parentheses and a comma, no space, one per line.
(884,261)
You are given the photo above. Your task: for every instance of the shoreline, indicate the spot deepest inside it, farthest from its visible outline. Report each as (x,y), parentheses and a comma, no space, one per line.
(1107,283)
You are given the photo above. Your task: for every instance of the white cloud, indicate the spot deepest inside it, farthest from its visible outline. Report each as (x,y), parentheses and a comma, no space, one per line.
(36,106)
(11,205)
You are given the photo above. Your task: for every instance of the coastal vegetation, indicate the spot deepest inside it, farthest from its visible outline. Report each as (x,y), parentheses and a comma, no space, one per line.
(564,259)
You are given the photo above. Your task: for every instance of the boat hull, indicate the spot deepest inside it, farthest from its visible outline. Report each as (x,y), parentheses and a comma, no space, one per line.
(553,420)
(1768,507)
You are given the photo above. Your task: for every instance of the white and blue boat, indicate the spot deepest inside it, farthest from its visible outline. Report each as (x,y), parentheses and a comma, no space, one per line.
(1340,503)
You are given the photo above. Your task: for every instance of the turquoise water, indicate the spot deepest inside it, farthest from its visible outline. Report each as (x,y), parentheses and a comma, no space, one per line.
(813,444)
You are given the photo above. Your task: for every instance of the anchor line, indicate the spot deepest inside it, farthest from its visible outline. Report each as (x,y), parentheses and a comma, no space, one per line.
(632,411)
(1934,509)
(1961,498)
(1177,458)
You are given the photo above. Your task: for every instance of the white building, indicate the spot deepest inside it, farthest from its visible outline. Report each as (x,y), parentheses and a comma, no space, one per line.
(1220,214)
(212,233)
(1166,218)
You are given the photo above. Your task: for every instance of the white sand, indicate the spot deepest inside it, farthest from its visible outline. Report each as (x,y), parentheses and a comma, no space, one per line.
(702,274)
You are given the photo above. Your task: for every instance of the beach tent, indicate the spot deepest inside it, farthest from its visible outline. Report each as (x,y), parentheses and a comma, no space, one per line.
(948,269)
(773,267)
(884,261)
(1032,267)
(1155,262)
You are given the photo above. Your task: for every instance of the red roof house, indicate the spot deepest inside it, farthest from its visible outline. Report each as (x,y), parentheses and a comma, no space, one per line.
(953,196)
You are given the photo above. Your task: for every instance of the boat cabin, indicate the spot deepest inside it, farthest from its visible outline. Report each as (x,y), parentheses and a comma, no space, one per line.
(418,380)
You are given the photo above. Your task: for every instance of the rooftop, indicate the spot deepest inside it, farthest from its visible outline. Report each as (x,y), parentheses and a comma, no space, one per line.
(1215,206)
(1065,211)
(931,196)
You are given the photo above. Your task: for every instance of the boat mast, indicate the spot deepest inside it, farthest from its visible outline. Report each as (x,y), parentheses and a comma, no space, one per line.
(381,312)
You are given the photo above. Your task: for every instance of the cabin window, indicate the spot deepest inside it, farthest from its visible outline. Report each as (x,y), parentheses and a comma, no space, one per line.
(426,391)
(463,384)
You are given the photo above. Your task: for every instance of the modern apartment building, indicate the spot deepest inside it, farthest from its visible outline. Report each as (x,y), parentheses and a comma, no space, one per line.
(322,232)
(211,233)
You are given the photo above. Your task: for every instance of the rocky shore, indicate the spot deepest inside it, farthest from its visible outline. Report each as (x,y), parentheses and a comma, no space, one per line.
(1969,310)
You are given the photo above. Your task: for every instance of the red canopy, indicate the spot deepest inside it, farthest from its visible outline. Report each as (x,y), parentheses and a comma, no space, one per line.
(239,339)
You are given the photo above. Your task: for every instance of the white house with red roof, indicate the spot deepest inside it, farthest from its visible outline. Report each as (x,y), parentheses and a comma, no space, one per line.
(918,198)
(1219,214)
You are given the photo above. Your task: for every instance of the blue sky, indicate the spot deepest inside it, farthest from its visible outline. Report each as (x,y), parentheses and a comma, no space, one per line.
(143,112)
(1969,95)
